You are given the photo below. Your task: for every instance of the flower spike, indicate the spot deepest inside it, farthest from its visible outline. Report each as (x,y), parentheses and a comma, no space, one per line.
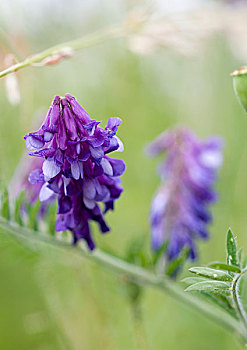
(179,210)
(75,167)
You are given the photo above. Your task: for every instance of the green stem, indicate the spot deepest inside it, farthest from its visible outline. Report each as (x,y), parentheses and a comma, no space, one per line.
(138,326)
(236,299)
(134,273)
(77,44)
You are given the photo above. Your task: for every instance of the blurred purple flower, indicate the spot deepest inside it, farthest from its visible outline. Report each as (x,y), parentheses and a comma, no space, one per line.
(76,166)
(22,180)
(179,210)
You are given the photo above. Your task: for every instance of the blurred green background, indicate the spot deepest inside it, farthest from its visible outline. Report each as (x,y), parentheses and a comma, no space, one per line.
(52,300)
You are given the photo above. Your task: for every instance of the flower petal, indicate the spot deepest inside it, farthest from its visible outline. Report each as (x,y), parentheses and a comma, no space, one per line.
(75,170)
(106,165)
(120,144)
(50,169)
(45,193)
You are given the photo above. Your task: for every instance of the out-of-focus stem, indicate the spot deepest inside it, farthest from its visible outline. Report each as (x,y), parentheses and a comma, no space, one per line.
(236,297)
(139,330)
(134,273)
(77,44)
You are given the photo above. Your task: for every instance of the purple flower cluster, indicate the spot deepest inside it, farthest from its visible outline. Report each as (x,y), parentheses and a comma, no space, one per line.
(179,210)
(76,166)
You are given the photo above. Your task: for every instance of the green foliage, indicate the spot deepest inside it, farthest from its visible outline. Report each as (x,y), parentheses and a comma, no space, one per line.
(32,214)
(191,280)
(50,218)
(240,295)
(225,267)
(166,267)
(207,272)
(219,287)
(136,252)
(20,211)
(231,245)
(4,204)
(225,284)
(160,252)
(17,208)
(175,265)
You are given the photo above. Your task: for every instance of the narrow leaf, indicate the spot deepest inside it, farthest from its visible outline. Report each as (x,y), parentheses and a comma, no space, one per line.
(244,264)
(192,280)
(160,251)
(51,218)
(222,301)
(211,273)
(231,246)
(33,213)
(18,204)
(240,251)
(225,267)
(209,286)
(5,209)
(177,263)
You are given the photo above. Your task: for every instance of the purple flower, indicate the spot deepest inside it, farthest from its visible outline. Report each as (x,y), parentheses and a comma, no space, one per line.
(76,167)
(179,210)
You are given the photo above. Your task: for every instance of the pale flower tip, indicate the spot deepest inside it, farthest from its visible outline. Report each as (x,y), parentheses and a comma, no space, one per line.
(240,71)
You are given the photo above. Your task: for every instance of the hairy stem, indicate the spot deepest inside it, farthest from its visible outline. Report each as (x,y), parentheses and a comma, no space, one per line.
(132,272)
(236,298)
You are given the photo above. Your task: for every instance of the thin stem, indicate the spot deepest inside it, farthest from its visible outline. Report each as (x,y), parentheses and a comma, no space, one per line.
(236,299)
(77,44)
(134,273)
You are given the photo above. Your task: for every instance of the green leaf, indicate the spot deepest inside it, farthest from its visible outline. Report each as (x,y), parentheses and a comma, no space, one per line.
(223,266)
(175,264)
(239,253)
(222,301)
(211,273)
(32,218)
(136,252)
(17,212)
(231,246)
(210,286)
(51,218)
(192,280)
(5,208)
(244,264)
(160,251)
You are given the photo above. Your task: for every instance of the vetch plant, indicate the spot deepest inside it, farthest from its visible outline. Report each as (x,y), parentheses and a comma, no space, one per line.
(223,283)
(72,167)
(75,169)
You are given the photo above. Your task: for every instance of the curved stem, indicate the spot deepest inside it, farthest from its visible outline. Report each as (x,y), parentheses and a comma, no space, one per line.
(132,272)
(236,299)
(77,44)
